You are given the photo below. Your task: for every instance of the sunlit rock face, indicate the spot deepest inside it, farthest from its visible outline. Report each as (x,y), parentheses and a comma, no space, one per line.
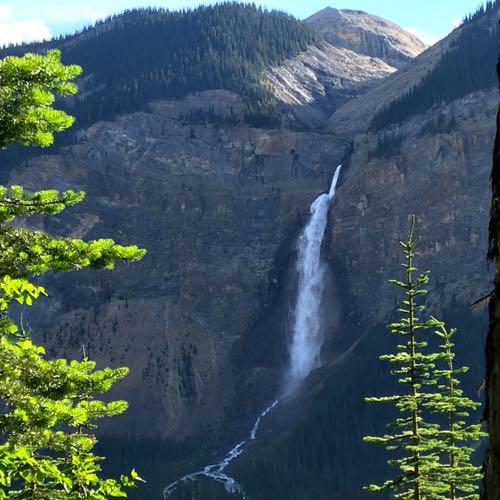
(359,50)
(313,85)
(367,34)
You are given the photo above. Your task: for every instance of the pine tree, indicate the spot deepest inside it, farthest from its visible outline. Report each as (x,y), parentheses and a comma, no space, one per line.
(48,407)
(434,459)
(455,437)
(27,88)
(414,436)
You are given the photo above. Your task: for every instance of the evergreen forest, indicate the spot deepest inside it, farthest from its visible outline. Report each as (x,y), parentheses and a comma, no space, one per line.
(133,58)
(467,66)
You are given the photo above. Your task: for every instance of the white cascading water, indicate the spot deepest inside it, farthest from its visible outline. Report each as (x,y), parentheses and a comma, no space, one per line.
(216,471)
(307,335)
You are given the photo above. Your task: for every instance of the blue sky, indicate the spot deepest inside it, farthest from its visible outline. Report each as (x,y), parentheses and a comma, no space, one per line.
(24,20)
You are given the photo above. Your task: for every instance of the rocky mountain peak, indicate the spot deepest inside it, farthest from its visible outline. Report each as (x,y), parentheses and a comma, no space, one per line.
(367,34)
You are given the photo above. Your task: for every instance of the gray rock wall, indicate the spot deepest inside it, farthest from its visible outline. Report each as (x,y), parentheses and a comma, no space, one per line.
(216,207)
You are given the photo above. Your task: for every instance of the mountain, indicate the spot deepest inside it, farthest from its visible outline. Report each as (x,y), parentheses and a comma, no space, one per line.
(357,51)
(433,160)
(455,67)
(367,34)
(311,86)
(216,183)
(232,46)
(141,55)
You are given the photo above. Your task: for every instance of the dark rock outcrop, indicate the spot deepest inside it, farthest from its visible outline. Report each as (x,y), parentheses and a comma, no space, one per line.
(492,409)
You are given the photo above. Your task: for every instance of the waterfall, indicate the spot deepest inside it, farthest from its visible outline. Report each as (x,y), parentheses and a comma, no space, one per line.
(307,334)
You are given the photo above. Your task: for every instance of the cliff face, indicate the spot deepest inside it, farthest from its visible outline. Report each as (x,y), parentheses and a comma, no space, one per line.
(367,34)
(201,321)
(442,177)
(434,164)
(218,209)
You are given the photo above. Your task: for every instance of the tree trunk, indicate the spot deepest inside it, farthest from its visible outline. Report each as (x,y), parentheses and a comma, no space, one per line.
(492,408)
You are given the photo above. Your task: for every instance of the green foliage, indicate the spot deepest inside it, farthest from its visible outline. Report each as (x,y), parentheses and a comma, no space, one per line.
(29,252)
(49,407)
(457,471)
(27,88)
(434,459)
(51,404)
(467,66)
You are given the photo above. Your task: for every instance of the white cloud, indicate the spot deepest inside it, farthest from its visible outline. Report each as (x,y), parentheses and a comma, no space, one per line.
(456,23)
(6,13)
(22,31)
(425,37)
(14,29)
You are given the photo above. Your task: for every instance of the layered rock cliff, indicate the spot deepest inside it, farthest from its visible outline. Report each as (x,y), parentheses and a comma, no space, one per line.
(434,163)
(440,174)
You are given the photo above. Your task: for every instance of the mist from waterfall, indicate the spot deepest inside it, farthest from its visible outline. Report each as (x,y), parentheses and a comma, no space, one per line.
(307,333)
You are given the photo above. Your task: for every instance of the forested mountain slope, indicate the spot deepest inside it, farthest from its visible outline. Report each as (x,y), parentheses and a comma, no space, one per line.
(466,67)
(461,63)
(142,55)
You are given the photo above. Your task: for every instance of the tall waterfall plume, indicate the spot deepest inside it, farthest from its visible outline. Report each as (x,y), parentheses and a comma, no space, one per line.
(307,334)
